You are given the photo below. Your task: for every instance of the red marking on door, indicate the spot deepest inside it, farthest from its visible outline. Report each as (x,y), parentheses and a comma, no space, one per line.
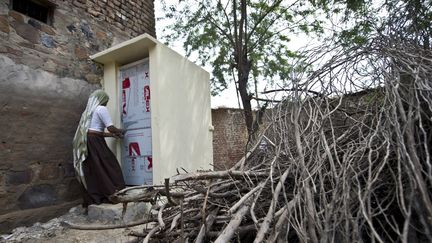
(125,85)
(124,102)
(147,97)
(134,149)
(150,159)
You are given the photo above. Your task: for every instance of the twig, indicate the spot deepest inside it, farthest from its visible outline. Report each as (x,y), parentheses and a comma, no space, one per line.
(151,233)
(217,175)
(205,228)
(232,226)
(159,218)
(242,200)
(105,227)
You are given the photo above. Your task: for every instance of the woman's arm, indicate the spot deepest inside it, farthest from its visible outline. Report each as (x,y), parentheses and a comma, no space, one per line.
(106,120)
(116,131)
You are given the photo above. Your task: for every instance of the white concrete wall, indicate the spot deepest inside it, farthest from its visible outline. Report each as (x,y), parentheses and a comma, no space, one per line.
(181,114)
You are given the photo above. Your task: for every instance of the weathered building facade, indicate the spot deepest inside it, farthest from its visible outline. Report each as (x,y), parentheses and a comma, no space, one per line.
(45,79)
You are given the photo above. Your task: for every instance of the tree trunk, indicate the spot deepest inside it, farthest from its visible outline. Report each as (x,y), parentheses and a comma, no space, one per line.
(247,107)
(244,67)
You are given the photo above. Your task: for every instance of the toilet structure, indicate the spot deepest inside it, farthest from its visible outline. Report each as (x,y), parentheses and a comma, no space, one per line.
(163,101)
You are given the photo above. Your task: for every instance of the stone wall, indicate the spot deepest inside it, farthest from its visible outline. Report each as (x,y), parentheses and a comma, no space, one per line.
(229,137)
(45,78)
(79,29)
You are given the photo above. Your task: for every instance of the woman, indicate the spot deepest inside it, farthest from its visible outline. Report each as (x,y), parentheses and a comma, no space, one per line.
(96,166)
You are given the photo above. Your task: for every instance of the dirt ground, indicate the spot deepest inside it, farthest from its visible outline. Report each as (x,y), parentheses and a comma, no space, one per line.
(53,231)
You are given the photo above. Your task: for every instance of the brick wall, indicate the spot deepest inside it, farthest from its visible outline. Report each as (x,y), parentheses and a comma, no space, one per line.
(229,137)
(45,79)
(133,16)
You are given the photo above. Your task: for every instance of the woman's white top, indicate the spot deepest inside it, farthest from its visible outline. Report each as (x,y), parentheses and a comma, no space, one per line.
(100,119)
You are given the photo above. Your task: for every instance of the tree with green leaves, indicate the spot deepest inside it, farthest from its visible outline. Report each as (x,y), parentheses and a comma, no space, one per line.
(248,41)
(243,40)
(408,20)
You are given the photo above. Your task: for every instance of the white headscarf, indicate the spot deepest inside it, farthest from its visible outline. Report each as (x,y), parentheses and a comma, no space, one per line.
(80,152)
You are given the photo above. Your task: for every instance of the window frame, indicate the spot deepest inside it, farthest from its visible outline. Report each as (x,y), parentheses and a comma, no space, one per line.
(45,4)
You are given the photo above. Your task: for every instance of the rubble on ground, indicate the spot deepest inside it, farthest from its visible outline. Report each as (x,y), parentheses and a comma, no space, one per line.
(104,214)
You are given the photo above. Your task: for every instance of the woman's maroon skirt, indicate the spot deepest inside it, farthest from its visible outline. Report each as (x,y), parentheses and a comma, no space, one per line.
(102,172)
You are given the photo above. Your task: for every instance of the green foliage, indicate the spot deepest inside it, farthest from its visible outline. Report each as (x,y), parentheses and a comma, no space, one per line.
(211,29)
(358,35)
(248,41)
(408,20)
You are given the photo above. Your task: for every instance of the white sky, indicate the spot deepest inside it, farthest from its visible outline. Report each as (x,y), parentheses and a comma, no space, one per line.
(228,97)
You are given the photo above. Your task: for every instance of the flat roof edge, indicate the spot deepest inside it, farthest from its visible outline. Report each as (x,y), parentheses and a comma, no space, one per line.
(109,54)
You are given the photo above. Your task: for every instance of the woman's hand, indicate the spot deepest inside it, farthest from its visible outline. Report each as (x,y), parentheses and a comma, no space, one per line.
(120,134)
(112,135)
(117,132)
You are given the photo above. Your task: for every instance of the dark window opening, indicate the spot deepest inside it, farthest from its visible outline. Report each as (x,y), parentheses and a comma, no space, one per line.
(37,9)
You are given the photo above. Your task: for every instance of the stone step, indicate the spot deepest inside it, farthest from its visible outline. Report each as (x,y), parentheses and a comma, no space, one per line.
(112,213)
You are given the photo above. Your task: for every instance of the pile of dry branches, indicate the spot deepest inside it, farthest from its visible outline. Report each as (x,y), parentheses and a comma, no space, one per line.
(351,164)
